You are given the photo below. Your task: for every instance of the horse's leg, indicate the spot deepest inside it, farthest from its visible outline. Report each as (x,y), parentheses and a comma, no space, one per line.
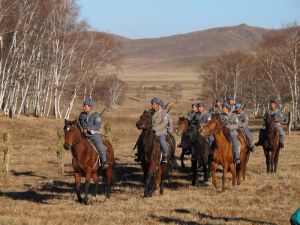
(214,167)
(87,186)
(163,172)
(148,186)
(245,165)
(77,186)
(233,173)
(108,180)
(96,183)
(267,160)
(194,169)
(182,158)
(276,160)
(224,178)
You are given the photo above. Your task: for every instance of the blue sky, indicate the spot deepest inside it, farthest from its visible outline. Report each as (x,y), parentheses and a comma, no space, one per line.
(157,18)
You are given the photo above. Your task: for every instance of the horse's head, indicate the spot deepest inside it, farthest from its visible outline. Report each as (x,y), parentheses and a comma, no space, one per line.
(182,125)
(212,126)
(271,122)
(69,129)
(145,121)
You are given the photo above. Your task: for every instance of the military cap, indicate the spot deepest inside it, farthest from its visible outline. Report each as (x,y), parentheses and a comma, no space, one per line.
(218,100)
(155,100)
(238,105)
(226,105)
(230,98)
(274,100)
(88,102)
(199,104)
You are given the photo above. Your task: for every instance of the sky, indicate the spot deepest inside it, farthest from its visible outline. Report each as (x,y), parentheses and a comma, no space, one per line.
(157,18)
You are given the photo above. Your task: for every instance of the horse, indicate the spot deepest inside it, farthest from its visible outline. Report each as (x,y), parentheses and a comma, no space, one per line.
(182,126)
(86,160)
(244,156)
(154,170)
(271,145)
(222,153)
(200,149)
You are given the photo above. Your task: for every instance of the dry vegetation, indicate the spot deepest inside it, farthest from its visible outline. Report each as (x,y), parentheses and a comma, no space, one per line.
(37,195)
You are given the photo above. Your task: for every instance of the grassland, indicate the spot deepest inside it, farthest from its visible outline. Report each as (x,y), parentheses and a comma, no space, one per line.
(36,195)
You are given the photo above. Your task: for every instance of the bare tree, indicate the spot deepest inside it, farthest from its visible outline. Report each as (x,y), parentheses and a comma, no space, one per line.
(111,91)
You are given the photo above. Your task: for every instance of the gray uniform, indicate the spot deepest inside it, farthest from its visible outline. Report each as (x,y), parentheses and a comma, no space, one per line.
(278,115)
(203,118)
(243,122)
(159,125)
(216,110)
(191,116)
(169,123)
(231,122)
(92,122)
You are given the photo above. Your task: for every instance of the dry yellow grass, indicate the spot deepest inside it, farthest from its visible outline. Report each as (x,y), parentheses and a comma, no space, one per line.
(36,194)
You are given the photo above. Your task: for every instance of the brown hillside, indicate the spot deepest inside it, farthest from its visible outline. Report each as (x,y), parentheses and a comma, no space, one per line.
(182,52)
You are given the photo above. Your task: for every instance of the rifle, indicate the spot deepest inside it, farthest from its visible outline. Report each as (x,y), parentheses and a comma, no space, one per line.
(103,111)
(169,108)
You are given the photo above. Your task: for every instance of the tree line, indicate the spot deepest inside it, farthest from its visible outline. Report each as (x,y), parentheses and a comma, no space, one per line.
(271,71)
(48,58)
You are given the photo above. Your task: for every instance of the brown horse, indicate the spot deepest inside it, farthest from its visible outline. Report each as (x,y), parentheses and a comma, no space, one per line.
(86,160)
(182,127)
(154,170)
(200,149)
(271,145)
(244,156)
(221,151)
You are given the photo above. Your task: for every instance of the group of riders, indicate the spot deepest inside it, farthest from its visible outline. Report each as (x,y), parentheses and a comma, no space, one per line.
(231,113)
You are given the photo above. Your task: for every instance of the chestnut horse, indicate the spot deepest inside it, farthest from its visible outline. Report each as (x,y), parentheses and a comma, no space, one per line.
(222,150)
(200,149)
(271,145)
(86,160)
(154,170)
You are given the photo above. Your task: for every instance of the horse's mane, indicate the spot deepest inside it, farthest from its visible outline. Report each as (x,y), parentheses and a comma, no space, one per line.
(225,130)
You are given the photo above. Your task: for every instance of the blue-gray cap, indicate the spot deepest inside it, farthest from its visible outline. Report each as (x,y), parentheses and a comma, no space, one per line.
(226,105)
(155,100)
(238,105)
(200,104)
(88,102)
(230,98)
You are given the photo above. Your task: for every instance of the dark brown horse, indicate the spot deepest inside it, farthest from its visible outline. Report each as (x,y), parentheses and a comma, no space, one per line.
(222,150)
(86,160)
(182,127)
(200,149)
(271,145)
(154,170)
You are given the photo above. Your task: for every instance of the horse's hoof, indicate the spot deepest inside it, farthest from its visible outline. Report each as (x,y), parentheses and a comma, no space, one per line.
(85,202)
(193,183)
(80,200)
(161,192)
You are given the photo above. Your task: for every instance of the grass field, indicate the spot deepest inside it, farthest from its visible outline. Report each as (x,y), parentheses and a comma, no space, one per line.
(37,195)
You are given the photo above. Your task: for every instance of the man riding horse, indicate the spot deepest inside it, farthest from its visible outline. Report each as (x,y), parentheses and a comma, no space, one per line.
(89,122)
(231,122)
(243,124)
(159,125)
(278,115)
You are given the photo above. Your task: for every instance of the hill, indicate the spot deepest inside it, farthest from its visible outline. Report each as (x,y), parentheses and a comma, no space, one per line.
(153,58)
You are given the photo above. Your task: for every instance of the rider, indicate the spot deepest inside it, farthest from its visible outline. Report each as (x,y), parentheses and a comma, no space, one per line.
(217,109)
(169,118)
(202,118)
(278,115)
(89,122)
(191,116)
(243,124)
(159,125)
(231,122)
(231,102)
